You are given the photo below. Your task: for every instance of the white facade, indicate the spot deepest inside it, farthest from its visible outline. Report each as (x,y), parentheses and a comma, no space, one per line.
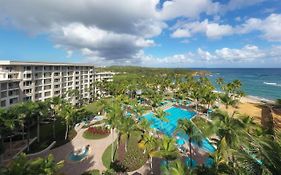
(38,81)
(104,76)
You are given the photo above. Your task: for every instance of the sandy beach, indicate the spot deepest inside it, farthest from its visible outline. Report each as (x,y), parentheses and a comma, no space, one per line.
(253,106)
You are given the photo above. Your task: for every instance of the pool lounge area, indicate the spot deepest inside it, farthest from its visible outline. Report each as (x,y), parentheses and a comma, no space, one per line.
(168,128)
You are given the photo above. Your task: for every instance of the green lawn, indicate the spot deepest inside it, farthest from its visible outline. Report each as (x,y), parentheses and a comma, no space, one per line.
(93,107)
(106,157)
(134,157)
(92,172)
(46,136)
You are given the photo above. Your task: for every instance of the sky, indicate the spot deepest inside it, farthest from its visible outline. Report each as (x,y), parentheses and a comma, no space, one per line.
(154,33)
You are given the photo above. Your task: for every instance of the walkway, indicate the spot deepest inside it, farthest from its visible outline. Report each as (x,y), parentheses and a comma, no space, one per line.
(94,159)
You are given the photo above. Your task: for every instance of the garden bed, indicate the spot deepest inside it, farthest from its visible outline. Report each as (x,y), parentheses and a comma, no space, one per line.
(97,132)
(132,160)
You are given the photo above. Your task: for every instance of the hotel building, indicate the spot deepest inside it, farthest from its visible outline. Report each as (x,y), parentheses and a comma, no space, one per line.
(38,81)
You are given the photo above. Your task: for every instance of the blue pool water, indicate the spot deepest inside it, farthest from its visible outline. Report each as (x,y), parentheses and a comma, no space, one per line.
(80,156)
(168,128)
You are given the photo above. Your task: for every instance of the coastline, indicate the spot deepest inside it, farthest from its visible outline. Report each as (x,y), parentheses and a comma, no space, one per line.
(255,99)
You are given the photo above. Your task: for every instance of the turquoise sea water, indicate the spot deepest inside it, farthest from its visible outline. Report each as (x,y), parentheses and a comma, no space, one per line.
(258,82)
(168,128)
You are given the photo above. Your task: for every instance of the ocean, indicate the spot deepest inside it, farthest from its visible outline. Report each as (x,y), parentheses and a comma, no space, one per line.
(263,83)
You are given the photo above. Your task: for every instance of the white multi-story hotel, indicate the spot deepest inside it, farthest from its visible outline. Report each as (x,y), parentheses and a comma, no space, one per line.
(104,76)
(38,81)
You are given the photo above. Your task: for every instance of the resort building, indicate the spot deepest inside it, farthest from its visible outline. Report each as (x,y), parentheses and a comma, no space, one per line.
(38,81)
(104,76)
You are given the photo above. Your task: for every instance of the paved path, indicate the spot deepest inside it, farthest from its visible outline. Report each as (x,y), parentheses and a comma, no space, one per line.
(94,159)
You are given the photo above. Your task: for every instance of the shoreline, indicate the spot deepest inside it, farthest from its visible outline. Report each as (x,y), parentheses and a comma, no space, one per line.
(252,99)
(255,99)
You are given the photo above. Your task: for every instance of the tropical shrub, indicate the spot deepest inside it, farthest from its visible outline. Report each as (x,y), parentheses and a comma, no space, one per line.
(96,132)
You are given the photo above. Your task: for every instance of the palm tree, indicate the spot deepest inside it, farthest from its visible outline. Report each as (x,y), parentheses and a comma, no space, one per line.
(112,119)
(227,100)
(176,167)
(67,113)
(220,81)
(149,144)
(126,127)
(228,127)
(187,127)
(167,149)
(209,98)
(144,126)
(54,107)
(161,115)
(21,166)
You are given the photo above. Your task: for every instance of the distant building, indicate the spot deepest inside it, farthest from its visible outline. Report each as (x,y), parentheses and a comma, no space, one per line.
(104,76)
(38,81)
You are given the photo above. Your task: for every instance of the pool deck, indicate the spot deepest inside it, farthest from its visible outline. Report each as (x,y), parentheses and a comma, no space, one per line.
(93,160)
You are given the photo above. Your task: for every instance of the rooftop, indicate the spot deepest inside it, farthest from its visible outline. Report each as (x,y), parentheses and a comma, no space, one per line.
(8,62)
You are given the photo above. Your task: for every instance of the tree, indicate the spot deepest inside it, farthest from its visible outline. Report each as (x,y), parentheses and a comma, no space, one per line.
(22,166)
(167,149)
(112,120)
(176,167)
(149,144)
(161,115)
(228,100)
(68,113)
(187,127)
(126,127)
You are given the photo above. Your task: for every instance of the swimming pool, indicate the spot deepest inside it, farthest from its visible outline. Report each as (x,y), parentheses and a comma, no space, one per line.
(168,128)
(75,157)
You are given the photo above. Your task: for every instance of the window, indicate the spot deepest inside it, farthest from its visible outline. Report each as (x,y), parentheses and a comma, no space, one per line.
(47,87)
(27,68)
(38,82)
(3,103)
(38,75)
(47,94)
(38,68)
(26,75)
(3,86)
(38,88)
(13,100)
(57,67)
(27,91)
(48,81)
(3,94)
(27,83)
(27,98)
(13,92)
(37,96)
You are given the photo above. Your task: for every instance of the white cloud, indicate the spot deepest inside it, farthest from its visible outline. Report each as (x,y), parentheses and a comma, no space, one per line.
(247,53)
(269,27)
(210,29)
(111,29)
(238,4)
(181,33)
(187,8)
(205,55)
(101,43)
(229,57)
